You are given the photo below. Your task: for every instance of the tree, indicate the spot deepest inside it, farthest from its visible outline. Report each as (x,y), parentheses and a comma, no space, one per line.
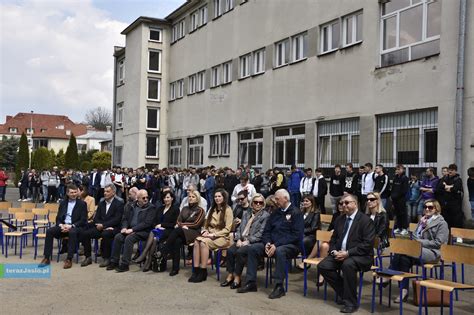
(41,159)
(71,160)
(23,160)
(8,152)
(86,156)
(99,118)
(101,160)
(52,157)
(60,159)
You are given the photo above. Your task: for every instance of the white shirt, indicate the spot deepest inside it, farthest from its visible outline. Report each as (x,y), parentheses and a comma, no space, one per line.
(238,188)
(305,185)
(107,205)
(70,206)
(316,186)
(344,241)
(367,183)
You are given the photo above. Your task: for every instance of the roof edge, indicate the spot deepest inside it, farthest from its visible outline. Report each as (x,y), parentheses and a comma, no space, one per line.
(143,19)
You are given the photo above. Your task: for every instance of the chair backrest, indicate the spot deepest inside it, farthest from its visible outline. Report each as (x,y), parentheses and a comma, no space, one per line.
(15,210)
(40,211)
(412,227)
(462,233)
(51,206)
(52,217)
(326,218)
(458,254)
(4,205)
(323,236)
(24,216)
(405,246)
(391,224)
(28,205)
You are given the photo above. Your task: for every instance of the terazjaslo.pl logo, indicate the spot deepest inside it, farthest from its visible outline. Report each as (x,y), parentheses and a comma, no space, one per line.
(24,271)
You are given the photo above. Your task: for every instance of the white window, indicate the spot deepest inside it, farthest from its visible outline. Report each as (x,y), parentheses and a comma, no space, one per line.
(338,142)
(180,88)
(154,61)
(214,148)
(121,72)
(155,35)
(153,118)
(289,146)
(118,156)
(172,91)
(245,66)
(251,148)
(408,138)
(12,130)
(282,50)
(228,5)
(194,21)
(175,153)
(409,30)
(201,81)
(119,115)
(352,29)
(195,152)
(330,37)
(203,15)
(217,8)
(192,84)
(225,144)
(259,61)
(215,76)
(178,31)
(227,72)
(151,146)
(220,145)
(154,87)
(298,47)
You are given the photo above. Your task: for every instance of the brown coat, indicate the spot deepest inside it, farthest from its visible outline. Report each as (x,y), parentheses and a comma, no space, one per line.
(193,218)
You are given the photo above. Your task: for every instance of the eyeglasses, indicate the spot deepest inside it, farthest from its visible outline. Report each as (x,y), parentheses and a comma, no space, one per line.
(258,203)
(144,197)
(371,199)
(346,202)
(242,199)
(429,207)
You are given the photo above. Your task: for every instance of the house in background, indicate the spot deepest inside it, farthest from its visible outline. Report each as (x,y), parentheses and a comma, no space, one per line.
(92,139)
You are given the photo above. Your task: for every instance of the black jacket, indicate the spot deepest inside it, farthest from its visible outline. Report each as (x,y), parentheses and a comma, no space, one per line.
(312,223)
(284,228)
(145,218)
(351,183)
(79,213)
(322,187)
(336,186)
(109,218)
(167,220)
(399,187)
(381,228)
(381,185)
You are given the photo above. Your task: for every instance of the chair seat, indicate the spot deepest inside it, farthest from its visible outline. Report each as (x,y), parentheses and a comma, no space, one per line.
(42,221)
(41,235)
(445,285)
(31,227)
(15,233)
(313,261)
(399,277)
(432,265)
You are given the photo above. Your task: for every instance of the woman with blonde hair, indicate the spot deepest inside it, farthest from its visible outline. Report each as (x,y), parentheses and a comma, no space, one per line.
(215,235)
(377,213)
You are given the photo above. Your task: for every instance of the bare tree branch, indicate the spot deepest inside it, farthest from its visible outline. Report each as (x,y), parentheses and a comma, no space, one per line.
(99,118)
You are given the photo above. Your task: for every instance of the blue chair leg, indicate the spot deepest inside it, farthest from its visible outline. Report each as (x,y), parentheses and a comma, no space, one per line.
(286,275)
(218,263)
(305,279)
(361,282)
(442,302)
(451,302)
(372,306)
(16,244)
(400,289)
(6,247)
(420,301)
(22,241)
(390,293)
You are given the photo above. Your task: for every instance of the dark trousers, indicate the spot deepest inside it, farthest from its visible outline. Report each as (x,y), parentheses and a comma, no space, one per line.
(106,243)
(55,232)
(403,263)
(173,246)
(401,212)
(345,287)
(236,257)
(320,203)
(282,254)
(453,214)
(3,191)
(52,194)
(127,241)
(295,198)
(308,242)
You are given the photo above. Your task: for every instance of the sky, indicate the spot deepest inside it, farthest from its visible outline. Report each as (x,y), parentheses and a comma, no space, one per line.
(56,56)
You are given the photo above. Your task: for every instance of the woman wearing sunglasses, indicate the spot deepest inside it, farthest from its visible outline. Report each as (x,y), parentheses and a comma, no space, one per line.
(432,231)
(249,231)
(377,213)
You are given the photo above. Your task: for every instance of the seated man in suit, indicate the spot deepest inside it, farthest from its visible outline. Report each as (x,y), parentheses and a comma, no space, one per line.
(281,239)
(351,251)
(106,225)
(137,222)
(71,218)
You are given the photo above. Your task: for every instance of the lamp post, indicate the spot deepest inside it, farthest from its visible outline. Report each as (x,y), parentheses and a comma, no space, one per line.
(31,139)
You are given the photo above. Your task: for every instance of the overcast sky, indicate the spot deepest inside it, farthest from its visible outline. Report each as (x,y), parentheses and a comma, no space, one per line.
(56,55)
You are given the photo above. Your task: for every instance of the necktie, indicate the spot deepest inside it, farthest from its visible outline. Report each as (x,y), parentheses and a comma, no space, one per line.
(346,227)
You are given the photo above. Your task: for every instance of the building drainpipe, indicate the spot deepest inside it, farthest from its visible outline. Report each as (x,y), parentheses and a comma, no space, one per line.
(460,85)
(114,87)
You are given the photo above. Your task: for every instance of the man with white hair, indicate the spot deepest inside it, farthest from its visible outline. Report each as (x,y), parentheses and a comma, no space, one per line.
(281,239)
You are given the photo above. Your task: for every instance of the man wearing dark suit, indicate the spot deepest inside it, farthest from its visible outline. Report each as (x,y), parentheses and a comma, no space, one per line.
(351,251)
(71,218)
(281,239)
(137,222)
(94,186)
(106,225)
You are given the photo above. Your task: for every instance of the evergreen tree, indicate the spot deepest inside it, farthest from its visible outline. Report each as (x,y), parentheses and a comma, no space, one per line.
(8,152)
(41,159)
(101,160)
(60,159)
(23,159)
(72,158)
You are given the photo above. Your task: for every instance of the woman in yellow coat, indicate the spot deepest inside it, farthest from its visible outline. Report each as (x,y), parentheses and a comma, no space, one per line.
(215,235)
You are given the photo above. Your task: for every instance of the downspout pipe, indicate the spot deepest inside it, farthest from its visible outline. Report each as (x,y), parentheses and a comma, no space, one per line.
(460,85)
(114,109)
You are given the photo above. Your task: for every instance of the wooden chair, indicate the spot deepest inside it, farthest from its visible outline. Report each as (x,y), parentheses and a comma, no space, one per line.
(21,219)
(403,247)
(391,226)
(37,236)
(456,254)
(464,234)
(4,205)
(321,236)
(27,205)
(53,207)
(326,218)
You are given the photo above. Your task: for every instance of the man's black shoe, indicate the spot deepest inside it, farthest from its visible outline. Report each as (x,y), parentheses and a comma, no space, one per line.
(249,287)
(112,266)
(349,309)
(277,293)
(86,262)
(122,268)
(105,263)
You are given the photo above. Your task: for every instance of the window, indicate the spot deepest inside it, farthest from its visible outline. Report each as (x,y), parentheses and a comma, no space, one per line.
(195,152)
(118,156)
(155,35)
(180,88)
(173,91)
(352,29)
(121,72)
(225,144)
(410,30)
(220,145)
(29,131)
(119,115)
(154,60)
(259,61)
(338,142)
(151,146)
(298,47)
(282,50)
(227,72)
(214,145)
(12,130)
(251,148)
(217,8)
(244,66)
(215,76)
(228,5)
(409,138)
(203,15)
(43,143)
(201,81)
(174,159)
(153,118)
(194,21)
(289,146)
(178,31)
(154,89)
(330,37)
(192,84)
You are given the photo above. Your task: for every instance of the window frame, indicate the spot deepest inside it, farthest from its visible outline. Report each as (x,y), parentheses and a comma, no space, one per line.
(158,99)
(175,148)
(156,29)
(180,88)
(192,147)
(159,60)
(345,19)
(226,73)
(157,118)
(172,91)
(121,71)
(157,139)
(329,27)
(215,76)
(200,81)
(303,38)
(258,142)
(119,115)
(192,80)
(285,51)
(254,61)
(247,58)
(290,136)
